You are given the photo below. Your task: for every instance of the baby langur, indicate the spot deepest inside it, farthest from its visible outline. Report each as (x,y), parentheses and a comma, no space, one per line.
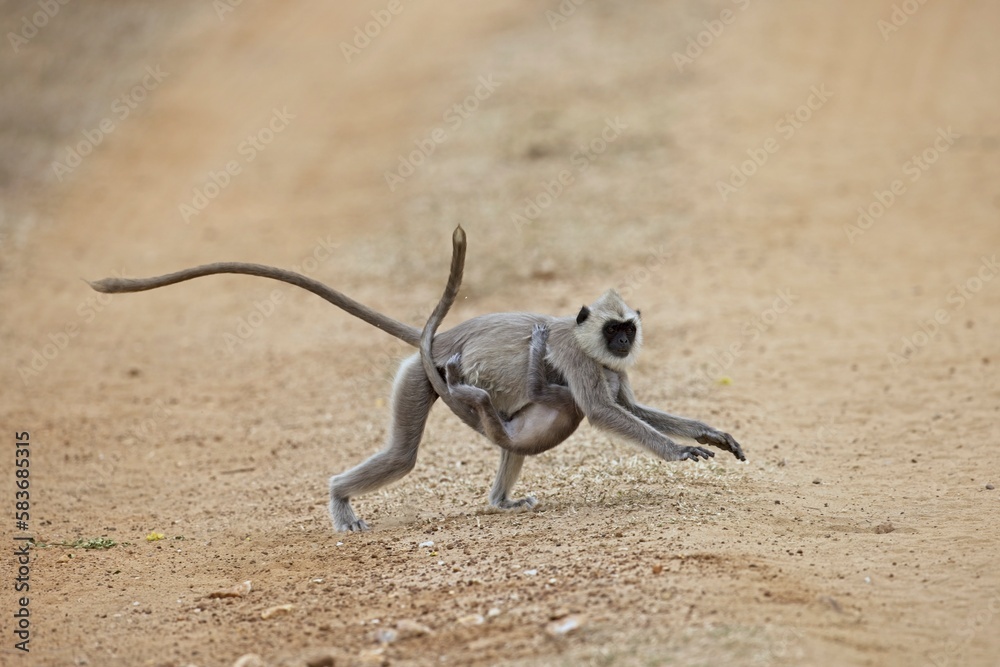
(536,391)
(548,419)
(537,426)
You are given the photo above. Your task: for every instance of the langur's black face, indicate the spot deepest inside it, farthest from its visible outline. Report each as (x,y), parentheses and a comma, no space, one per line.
(619,337)
(611,334)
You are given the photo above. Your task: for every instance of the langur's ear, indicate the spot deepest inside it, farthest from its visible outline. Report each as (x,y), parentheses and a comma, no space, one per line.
(583,315)
(638,314)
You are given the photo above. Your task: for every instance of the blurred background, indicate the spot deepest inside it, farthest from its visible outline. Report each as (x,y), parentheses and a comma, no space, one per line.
(802,199)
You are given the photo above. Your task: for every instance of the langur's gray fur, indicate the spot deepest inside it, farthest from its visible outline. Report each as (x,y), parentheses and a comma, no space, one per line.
(523,380)
(610,308)
(404,332)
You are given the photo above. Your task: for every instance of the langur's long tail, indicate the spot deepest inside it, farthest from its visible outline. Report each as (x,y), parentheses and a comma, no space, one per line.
(442,308)
(404,332)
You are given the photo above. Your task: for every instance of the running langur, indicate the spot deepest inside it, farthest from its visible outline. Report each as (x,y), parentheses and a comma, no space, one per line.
(523,380)
(529,396)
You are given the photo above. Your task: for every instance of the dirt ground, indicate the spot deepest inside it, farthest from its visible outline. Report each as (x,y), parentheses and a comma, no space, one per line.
(802,199)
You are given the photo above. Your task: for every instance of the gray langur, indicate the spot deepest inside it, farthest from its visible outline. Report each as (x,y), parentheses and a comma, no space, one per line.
(523,380)
(529,393)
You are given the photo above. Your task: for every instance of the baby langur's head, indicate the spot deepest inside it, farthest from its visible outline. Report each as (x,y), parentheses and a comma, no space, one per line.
(610,332)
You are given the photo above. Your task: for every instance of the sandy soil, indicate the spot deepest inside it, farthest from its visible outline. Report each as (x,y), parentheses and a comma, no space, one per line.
(717,185)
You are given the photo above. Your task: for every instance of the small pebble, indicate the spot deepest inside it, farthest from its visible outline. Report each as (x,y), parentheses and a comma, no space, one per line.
(832,603)
(564,626)
(372,657)
(884,528)
(277,610)
(386,636)
(322,660)
(237,591)
(249,660)
(408,628)
(990,487)
(657,568)
(472,619)
(817,481)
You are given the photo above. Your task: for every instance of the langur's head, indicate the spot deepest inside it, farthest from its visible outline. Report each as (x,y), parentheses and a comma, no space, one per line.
(609,332)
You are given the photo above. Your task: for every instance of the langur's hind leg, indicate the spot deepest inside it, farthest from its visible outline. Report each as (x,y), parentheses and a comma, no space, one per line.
(509,471)
(412,398)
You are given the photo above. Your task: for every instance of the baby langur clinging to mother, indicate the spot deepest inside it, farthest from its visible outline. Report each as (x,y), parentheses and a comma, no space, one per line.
(523,380)
(548,418)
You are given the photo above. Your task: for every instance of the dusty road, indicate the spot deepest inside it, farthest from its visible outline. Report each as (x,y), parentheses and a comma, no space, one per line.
(802,198)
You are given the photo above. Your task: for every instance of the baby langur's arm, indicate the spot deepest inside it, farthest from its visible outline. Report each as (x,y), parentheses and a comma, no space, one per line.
(539,390)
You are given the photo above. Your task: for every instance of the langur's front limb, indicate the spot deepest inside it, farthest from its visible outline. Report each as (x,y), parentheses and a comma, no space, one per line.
(674,425)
